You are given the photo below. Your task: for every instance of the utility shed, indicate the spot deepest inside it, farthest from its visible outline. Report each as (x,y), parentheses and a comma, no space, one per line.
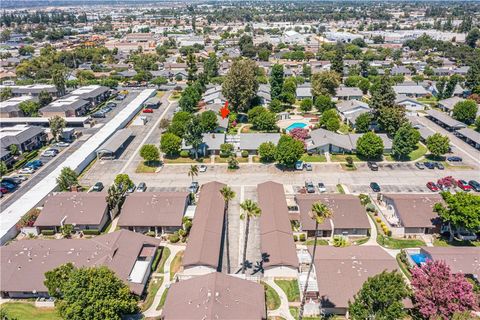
(109,150)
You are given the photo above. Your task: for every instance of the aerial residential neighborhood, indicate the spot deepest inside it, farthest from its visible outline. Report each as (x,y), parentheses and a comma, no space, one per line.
(262,160)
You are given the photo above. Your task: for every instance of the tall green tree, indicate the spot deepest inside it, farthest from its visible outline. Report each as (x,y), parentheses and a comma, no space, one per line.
(460,210)
(208,121)
(472,37)
(67,179)
(29,108)
(391,119)
(228,195)
(240,84)
(370,146)
(211,65)
(382,95)
(288,151)
(57,124)
(44,98)
(193,134)
(250,210)
(6,93)
(149,153)
(191,68)
(319,213)
(381,297)
(325,83)
(193,171)
(363,121)
(90,293)
(337,61)
(276,81)
(266,151)
(170,144)
(472,80)
(438,145)
(58,78)
(405,141)
(465,111)
(189,99)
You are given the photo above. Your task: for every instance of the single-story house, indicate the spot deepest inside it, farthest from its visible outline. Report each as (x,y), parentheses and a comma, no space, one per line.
(340,274)
(349,216)
(349,110)
(276,238)
(412,105)
(83,210)
(67,106)
(413,214)
(304,91)
(415,91)
(263,93)
(252,141)
(322,141)
(348,93)
(447,105)
(11,108)
(220,296)
(159,212)
(205,242)
(24,263)
(464,260)
(400,70)
(211,143)
(214,95)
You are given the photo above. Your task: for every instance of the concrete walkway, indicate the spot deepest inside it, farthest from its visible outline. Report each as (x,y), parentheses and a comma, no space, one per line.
(283,310)
(373,233)
(152,311)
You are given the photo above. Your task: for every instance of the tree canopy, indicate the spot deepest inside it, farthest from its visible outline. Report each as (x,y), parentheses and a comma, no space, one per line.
(460,210)
(289,150)
(240,84)
(370,146)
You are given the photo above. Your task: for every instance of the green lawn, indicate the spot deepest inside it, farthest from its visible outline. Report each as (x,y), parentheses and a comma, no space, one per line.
(314,158)
(342,157)
(392,243)
(320,242)
(412,156)
(345,128)
(27,311)
(182,160)
(346,167)
(455,243)
(219,159)
(164,257)
(152,290)
(290,287)
(273,300)
(340,189)
(176,264)
(294,312)
(143,167)
(162,300)
(361,241)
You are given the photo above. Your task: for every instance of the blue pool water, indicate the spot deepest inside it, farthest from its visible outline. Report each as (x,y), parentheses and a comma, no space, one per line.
(296,125)
(419,258)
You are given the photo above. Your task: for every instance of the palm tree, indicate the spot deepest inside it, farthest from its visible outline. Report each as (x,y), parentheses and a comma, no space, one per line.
(319,213)
(228,194)
(251,210)
(193,172)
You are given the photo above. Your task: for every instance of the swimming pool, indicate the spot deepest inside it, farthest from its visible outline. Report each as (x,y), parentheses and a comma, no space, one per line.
(419,258)
(296,125)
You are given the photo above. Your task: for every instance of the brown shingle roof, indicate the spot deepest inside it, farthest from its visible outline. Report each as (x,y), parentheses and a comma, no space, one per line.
(347,211)
(153,209)
(215,296)
(464,260)
(24,263)
(275,230)
(204,243)
(341,272)
(415,210)
(79,208)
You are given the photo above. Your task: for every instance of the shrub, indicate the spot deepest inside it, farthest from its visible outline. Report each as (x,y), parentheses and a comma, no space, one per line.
(302,237)
(378,219)
(339,241)
(150,233)
(48,232)
(184,154)
(91,232)
(295,238)
(174,238)
(244,154)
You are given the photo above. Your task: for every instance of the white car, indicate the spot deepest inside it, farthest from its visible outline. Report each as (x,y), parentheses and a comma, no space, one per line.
(202,168)
(49,153)
(26,171)
(62,144)
(321,187)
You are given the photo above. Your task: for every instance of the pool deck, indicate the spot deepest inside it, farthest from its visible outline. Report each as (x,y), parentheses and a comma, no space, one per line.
(284,124)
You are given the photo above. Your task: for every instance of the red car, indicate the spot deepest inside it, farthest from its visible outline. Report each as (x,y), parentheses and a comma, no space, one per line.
(462,184)
(147,110)
(3,190)
(432,186)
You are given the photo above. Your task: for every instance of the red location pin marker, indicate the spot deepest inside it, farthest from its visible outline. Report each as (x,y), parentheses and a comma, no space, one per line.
(224,112)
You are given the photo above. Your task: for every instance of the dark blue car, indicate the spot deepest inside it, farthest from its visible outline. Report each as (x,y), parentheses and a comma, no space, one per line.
(35,164)
(9,186)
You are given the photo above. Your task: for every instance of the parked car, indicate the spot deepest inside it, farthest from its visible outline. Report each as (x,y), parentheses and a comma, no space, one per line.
(321,187)
(432,186)
(120,97)
(465,235)
(462,184)
(439,165)
(132,188)
(193,187)
(3,190)
(97,187)
(35,163)
(9,186)
(62,144)
(309,187)
(454,159)
(308,167)
(26,170)
(429,165)
(20,177)
(111,104)
(375,187)
(11,180)
(420,165)
(98,114)
(372,165)
(202,168)
(48,153)
(142,187)
(147,110)
(299,165)
(475,185)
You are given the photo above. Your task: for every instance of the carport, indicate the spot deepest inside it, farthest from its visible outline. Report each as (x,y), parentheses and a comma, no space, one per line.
(109,150)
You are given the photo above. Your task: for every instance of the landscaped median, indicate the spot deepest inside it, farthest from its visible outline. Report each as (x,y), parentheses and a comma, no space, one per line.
(153,286)
(271,296)
(176,264)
